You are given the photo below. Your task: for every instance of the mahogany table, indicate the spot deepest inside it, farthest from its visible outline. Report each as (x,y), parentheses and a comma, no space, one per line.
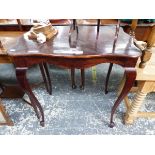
(83,52)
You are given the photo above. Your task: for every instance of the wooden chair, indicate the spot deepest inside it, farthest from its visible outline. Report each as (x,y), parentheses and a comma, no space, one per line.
(103,22)
(132,34)
(4,117)
(145,81)
(82,85)
(73,27)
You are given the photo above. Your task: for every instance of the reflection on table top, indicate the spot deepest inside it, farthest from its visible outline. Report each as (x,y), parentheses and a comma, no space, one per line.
(86,42)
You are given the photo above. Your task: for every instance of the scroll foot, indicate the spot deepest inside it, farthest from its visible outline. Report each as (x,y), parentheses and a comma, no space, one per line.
(74,86)
(42,123)
(81,87)
(112,124)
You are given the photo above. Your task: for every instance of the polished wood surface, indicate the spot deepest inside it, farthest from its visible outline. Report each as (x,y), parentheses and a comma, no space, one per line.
(25,53)
(124,51)
(9,91)
(86,42)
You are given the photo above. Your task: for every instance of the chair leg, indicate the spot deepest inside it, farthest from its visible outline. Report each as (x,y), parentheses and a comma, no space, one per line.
(75,26)
(98,28)
(82,79)
(107,78)
(46,77)
(73,78)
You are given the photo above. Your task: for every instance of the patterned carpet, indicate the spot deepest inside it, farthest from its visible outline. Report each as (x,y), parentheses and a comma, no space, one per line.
(77,112)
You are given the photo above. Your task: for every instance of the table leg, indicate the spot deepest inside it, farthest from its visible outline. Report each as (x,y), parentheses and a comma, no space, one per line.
(46,77)
(73,78)
(82,79)
(107,78)
(21,77)
(130,78)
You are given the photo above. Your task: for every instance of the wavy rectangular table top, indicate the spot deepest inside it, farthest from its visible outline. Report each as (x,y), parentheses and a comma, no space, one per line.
(85,42)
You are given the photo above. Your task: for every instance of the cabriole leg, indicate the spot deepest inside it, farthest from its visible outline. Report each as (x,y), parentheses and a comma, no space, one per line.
(23,82)
(130,74)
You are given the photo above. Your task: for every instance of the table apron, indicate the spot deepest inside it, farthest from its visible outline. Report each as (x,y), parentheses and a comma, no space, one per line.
(27,61)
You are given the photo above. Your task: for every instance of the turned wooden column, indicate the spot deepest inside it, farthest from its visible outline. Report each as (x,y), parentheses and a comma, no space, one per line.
(146,53)
(144,87)
(135,106)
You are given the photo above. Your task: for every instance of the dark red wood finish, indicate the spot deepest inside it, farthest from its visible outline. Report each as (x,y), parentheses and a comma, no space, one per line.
(26,53)
(46,77)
